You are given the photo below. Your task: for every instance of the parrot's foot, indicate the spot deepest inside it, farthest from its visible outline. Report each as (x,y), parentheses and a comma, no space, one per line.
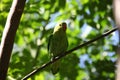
(54,71)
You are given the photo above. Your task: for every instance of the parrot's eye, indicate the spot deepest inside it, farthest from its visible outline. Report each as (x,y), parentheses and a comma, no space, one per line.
(60,24)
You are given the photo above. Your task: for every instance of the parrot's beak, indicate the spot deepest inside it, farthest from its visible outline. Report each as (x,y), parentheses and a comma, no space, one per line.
(64,26)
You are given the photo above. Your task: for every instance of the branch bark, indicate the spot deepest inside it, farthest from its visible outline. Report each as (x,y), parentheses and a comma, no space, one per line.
(116,11)
(9,35)
(68,52)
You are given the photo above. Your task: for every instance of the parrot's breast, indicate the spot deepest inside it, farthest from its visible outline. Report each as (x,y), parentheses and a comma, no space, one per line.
(59,43)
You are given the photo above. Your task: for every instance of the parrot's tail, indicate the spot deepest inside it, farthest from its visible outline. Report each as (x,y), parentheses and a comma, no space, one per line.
(55,67)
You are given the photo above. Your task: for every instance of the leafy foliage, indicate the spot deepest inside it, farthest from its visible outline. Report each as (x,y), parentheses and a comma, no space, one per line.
(86,20)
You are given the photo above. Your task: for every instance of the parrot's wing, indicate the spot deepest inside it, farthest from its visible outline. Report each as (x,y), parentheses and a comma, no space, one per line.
(49,41)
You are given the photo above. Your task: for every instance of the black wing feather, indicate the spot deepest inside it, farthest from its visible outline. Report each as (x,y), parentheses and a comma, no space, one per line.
(49,40)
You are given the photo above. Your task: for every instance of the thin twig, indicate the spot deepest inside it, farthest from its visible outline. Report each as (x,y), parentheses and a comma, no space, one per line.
(68,52)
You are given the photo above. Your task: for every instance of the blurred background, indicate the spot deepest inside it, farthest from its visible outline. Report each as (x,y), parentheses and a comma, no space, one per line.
(86,19)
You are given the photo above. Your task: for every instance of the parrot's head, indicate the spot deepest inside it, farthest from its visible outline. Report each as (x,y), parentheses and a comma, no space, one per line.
(61,27)
(64,26)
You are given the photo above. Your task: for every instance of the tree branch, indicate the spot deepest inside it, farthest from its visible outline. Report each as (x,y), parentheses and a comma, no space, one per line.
(68,52)
(9,35)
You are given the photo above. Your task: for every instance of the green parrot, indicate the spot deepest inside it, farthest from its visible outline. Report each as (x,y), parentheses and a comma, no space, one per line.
(57,44)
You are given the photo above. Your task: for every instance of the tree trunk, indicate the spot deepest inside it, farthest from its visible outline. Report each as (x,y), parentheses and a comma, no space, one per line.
(9,35)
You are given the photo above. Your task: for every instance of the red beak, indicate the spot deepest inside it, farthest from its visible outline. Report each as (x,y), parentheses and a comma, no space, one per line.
(64,26)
